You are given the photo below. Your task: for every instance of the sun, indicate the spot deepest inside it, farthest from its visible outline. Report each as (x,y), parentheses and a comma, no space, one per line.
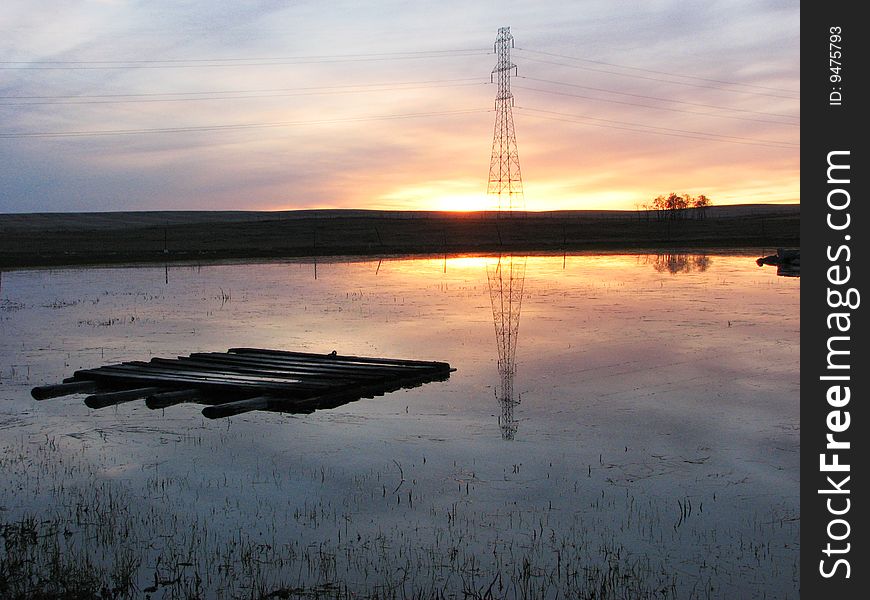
(450,196)
(465,202)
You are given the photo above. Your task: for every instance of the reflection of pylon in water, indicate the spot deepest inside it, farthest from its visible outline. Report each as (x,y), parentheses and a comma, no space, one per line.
(506,279)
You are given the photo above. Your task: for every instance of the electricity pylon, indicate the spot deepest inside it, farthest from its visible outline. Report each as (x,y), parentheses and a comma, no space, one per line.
(505,280)
(505,179)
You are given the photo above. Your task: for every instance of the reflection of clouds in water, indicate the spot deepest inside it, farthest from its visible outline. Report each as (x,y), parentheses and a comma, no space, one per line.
(638,394)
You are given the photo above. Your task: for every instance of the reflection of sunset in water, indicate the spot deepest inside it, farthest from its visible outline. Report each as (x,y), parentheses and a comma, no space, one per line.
(616,265)
(640,385)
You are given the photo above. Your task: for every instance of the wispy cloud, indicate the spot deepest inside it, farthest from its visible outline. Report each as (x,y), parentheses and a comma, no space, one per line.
(616,102)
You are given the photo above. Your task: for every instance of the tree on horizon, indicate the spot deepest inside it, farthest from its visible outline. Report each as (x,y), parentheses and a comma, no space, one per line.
(675,206)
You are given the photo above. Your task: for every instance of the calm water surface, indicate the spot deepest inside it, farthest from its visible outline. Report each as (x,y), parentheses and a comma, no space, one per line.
(647,428)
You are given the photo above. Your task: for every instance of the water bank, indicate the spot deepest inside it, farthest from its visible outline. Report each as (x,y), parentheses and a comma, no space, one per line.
(58,239)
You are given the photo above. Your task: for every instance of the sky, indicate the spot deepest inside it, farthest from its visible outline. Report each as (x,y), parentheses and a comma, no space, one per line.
(191,105)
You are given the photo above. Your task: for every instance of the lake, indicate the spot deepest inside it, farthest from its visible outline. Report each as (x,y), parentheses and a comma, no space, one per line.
(625,423)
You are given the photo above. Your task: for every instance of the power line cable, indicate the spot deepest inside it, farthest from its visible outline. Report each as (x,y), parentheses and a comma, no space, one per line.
(643,128)
(690,112)
(237,96)
(229,127)
(601,62)
(646,97)
(659,79)
(86,66)
(251,58)
(245,91)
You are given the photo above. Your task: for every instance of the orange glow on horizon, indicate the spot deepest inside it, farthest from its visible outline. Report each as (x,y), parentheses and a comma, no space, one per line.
(598,202)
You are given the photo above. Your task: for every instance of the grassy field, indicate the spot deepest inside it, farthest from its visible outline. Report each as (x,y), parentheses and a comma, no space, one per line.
(50,239)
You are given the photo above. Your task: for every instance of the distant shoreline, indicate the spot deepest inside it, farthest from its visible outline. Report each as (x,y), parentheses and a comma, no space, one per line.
(69,239)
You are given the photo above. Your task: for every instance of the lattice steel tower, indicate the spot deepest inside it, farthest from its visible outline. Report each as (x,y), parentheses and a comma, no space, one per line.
(504,166)
(506,280)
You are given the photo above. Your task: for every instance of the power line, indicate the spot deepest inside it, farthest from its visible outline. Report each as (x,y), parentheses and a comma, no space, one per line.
(232,62)
(601,62)
(393,86)
(692,137)
(699,104)
(690,112)
(505,178)
(659,79)
(230,127)
(69,100)
(246,91)
(250,58)
(643,128)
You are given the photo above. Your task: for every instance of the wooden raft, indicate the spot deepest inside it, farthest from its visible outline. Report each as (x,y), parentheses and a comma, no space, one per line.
(246,379)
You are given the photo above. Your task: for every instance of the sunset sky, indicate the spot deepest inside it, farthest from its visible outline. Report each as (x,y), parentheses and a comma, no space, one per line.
(389,105)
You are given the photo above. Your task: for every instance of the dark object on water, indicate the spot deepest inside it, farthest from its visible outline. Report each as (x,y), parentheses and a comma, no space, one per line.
(246,379)
(787,261)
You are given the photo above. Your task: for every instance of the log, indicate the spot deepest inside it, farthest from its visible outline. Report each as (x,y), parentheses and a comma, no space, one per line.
(44,392)
(228,373)
(156,373)
(329,399)
(257,369)
(245,379)
(331,366)
(165,399)
(229,409)
(119,397)
(298,381)
(301,367)
(338,357)
(176,379)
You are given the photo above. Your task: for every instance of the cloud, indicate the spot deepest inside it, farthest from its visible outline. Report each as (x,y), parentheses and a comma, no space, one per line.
(643,68)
